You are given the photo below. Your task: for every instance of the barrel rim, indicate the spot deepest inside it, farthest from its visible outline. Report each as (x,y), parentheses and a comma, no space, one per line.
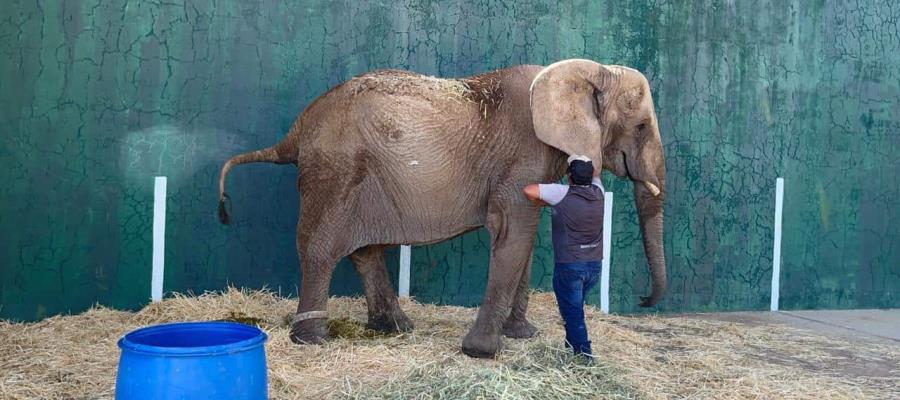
(259,338)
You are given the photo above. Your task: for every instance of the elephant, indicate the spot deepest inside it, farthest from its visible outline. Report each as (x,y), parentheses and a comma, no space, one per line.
(393,157)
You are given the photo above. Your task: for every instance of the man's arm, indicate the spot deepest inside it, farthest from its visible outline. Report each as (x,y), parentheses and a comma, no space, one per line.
(545,194)
(533,193)
(596,181)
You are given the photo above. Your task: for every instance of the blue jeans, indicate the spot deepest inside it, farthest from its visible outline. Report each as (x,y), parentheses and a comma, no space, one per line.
(571,282)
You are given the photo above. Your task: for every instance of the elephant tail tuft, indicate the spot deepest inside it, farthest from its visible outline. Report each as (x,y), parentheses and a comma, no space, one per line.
(223,213)
(281,153)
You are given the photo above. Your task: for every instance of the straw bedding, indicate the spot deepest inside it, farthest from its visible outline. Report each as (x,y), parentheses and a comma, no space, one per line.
(639,357)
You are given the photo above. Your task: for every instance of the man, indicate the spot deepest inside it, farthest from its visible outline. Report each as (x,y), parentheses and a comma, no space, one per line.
(577,216)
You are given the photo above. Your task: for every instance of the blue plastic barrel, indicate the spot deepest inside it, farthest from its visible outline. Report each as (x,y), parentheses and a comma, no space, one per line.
(193,360)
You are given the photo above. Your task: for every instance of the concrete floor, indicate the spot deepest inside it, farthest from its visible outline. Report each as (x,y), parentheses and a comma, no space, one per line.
(877,326)
(881,324)
(868,332)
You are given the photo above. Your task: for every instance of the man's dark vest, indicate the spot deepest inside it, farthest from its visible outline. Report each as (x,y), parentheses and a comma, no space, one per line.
(578,225)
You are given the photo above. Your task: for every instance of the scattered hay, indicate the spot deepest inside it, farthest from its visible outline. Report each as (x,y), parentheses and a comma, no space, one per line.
(643,357)
(539,372)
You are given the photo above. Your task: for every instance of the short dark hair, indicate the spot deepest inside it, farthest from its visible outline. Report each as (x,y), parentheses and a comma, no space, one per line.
(581,172)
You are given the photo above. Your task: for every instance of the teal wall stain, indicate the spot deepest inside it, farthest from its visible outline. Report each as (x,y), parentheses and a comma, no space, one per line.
(99,97)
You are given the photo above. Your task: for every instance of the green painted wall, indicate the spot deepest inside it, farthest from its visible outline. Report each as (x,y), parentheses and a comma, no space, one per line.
(99,97)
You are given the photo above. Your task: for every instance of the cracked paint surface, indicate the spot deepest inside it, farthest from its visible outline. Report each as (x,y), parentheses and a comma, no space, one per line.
(101,96)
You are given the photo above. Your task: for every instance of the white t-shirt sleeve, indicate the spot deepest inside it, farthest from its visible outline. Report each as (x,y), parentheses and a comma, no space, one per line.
(598,183)
(552,193)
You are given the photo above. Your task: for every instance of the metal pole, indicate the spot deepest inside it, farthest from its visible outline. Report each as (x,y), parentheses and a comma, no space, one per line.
(403,284)
(607,244)
(159,238)
(776,248)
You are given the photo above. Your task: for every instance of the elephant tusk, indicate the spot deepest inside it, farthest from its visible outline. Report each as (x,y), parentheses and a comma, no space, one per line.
(653,189)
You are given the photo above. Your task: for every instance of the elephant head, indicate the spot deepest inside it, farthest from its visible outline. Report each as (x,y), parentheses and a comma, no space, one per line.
(607,113)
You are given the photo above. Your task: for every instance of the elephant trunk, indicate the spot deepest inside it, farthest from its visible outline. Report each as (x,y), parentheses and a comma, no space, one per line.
(650,214)
(648,172)
(649,195)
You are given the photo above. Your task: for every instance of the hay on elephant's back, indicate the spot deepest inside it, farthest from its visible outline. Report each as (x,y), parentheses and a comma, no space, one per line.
(638,357)
(399,82)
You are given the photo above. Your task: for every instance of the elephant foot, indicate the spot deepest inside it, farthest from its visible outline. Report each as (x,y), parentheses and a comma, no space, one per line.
(519,329)
(390,323)
(481,345)
(310,331)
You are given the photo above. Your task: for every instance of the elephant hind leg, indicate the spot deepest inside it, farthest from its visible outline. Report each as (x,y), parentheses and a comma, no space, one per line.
(309,324)
(517,326)
(319,247)
(385,314)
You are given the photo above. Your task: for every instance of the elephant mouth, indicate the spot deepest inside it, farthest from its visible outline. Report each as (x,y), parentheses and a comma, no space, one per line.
(654,190)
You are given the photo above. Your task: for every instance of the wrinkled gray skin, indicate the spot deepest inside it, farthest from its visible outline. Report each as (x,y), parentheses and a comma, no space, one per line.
(392,157)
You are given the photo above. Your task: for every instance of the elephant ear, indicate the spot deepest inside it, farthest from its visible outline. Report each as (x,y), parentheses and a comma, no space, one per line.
(565,110)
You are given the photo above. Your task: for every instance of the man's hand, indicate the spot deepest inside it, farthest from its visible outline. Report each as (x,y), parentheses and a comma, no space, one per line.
(533,193)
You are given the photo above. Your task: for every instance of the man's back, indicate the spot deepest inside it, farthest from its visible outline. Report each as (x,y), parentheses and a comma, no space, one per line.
(578,225)
(577,218)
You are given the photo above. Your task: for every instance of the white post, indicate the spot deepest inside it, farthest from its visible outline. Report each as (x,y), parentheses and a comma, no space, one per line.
(403,284)
(159,238)
(607,243)
(776,248)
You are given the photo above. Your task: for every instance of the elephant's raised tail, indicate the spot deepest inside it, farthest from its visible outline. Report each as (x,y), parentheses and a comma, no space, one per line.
(281,153)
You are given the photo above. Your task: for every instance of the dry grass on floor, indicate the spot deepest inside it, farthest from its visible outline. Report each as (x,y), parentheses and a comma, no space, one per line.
(639,357)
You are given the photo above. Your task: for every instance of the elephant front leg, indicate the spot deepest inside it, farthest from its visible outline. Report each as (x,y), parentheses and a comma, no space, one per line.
(517,326)
(385,314)
(512,231)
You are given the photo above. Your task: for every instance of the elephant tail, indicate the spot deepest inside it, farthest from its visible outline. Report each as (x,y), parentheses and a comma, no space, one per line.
(282,153)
